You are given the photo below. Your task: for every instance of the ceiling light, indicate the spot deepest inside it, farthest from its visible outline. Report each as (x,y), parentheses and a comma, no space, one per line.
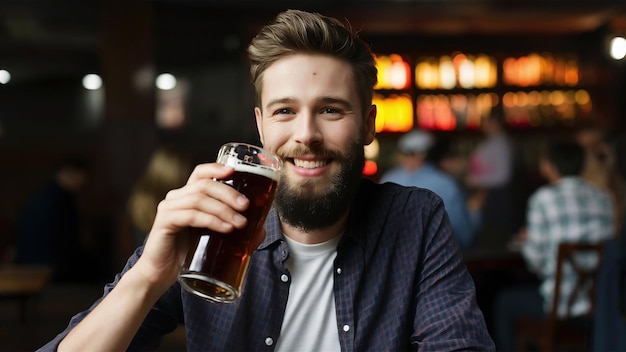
(5,76)
(92,81)
(166,81)
(618,48)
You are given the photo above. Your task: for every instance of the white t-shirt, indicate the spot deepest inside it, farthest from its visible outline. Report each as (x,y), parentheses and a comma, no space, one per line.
(310,322)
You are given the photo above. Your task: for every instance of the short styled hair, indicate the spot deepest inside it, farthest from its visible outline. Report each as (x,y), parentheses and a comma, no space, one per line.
(295,31)
(566,156)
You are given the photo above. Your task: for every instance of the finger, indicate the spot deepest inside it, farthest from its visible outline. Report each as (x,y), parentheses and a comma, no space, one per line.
(174,221)
(212,189)
(209,171)
(202,211)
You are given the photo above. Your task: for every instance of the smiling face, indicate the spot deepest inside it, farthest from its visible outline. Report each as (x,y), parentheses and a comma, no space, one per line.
(311,116)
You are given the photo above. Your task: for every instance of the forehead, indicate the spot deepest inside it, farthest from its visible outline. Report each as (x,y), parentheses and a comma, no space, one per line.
(306,75)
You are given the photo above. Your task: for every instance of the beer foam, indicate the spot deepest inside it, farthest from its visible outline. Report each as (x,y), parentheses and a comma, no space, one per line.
(261,170)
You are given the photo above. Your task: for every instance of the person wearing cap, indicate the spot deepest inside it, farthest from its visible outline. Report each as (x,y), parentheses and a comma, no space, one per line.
(416,170)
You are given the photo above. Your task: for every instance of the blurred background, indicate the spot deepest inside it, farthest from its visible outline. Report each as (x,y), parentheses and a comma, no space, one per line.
(113,81)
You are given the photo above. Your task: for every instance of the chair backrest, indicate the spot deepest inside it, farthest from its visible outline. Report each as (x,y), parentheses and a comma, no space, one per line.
(585,275)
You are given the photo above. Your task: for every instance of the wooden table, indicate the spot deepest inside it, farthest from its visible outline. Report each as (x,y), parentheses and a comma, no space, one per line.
(22,283)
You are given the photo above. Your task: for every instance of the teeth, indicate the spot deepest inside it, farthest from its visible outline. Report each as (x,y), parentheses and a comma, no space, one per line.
(309,164)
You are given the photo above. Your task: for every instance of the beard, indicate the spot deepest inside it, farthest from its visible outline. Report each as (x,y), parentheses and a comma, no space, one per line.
(307,210)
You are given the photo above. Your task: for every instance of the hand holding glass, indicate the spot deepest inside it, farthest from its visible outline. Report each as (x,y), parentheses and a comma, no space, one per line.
(216,263)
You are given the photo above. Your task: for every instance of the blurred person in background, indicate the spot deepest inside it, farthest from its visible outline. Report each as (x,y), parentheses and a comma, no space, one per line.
(609,328)
(415,169)
(588,217)
(167,169)
(601,166)
(489,179)
(49,226)
(449,160)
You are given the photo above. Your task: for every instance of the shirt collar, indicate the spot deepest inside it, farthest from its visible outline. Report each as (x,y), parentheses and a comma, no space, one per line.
(570,180)
(368,196)
(274,232)
(272,228)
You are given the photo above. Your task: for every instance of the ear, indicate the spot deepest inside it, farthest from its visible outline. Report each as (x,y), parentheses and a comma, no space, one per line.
(259,122)
(370,125)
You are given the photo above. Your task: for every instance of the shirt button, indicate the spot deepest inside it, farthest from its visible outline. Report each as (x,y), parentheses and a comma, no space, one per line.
(284,278)
(346,328)
(269,341)
(339,271)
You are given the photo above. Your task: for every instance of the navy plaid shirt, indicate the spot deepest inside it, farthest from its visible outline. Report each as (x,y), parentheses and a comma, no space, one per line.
(399,284)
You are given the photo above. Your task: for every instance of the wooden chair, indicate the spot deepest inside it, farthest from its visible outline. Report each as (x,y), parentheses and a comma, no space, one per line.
(568,333)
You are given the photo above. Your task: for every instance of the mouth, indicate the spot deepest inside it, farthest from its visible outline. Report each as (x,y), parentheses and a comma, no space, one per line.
(309,163)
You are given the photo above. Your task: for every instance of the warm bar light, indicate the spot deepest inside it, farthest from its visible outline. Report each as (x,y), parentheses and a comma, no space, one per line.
(393,72)
(455,111)
(467,76)
(371,151)
(485,71)
(435,113)
(534,109)
(571,73)
(394,113)
(458,70)
(582,97)
(370,168)
(540,69)
(426,75)
(447,74)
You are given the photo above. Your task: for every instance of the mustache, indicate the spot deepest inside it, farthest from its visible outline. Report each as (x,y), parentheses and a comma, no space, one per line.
(302,150)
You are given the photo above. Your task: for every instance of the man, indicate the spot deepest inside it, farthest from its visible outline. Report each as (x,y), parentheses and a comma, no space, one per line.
(416,170)
(393,278)
(568,209)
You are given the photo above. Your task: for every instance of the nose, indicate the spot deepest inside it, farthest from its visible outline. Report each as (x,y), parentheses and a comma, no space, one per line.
(308,131)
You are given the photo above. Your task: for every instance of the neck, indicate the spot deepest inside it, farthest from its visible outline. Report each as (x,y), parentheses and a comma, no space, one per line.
(554,179)
(316,235)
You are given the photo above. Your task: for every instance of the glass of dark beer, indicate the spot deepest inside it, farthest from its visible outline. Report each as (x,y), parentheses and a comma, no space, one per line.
(216,263)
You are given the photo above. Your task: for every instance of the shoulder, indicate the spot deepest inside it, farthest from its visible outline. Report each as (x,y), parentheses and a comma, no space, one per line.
(579,185)
(599,192)
(372,189)
(395,175)
(390,213)
(442,178)
(545,193)
(386,197)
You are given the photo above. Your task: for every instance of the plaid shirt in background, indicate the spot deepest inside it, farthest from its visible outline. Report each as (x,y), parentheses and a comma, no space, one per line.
(570,211)
(399,284)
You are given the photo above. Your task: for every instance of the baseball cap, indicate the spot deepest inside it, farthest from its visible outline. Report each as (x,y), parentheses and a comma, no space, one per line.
(415,141)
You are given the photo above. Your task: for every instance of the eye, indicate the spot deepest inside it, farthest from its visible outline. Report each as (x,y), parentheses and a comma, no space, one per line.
(330,110)
(283,111)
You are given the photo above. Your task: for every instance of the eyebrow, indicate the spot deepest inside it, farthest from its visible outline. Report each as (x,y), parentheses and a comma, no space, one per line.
(334,100)
(322,100)
(280,101)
